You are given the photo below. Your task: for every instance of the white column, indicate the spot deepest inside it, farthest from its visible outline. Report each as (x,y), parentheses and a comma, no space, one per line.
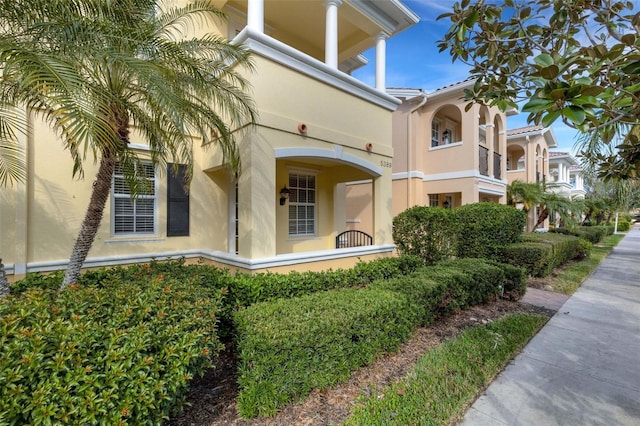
(255,15)
(381,61)
(560,172)
(331,33)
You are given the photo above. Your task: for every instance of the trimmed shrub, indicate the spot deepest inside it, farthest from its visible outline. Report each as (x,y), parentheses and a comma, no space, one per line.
(515,280)
(287,347)
(290,346)
(485,228)
(446,287)
(624,225)
(123,353)
(426,232)
(249,289)
(535,258)
(564,247)
(485,283)
(593,234)
(584,249)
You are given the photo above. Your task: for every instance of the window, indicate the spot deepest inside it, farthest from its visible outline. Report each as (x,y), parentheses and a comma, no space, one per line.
(433,200)
(134,216)
(435,133)
(302,204)
(177,202)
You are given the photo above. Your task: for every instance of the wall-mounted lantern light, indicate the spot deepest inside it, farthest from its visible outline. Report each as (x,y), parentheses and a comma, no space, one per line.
(284,194)
(445,204)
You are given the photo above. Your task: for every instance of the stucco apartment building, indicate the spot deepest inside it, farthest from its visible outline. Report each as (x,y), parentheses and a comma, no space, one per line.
(444,155)
(530,159)
(318,128)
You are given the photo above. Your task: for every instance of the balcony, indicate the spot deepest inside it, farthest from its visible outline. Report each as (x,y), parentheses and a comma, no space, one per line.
(484,161)
(497,169)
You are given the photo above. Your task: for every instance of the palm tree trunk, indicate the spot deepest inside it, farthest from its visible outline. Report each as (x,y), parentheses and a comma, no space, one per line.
(92,219)
(4,284)
(544,214)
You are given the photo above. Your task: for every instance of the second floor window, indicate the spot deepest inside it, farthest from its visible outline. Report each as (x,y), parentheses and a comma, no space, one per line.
(137,215)
(435,133)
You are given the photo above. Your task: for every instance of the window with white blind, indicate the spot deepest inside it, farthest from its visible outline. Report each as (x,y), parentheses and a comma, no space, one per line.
(434,200)
(302,204)
(137,215)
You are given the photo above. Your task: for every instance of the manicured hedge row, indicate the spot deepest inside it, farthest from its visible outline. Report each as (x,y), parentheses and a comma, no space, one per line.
(123,353)
(241,290)
(288,347)
(593,234)
(249,289)
(540,252)
(535,258)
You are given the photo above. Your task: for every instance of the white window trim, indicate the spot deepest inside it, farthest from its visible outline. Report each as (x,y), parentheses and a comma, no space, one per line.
(134,236)
(451,145)
(304,172)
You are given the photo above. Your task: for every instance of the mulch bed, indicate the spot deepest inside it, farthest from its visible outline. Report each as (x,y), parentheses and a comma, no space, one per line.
(212,398)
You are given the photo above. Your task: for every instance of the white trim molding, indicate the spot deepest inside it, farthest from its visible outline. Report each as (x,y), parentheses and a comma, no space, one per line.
(452,175)
(491,191)
(287,56)
(216,256)
(449,145)
(413,174)
(336,154)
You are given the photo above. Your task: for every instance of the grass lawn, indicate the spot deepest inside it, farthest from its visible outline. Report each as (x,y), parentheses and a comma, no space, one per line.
(569,279)
(448,378)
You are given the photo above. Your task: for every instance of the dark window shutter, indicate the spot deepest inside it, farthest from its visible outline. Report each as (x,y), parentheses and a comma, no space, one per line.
(177,202)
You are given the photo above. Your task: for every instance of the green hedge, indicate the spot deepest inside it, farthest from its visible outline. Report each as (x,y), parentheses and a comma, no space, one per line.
(515,280)
(564,247)
(485,228)
(535,258)
(593,234)
(540,252)
(241,289)
(122,353)
(427,232)
(290,346)
(624,225)
(248,289)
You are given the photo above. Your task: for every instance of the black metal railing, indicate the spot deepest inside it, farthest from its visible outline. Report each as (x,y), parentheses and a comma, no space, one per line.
(484,161)
(497,158)
(353,238)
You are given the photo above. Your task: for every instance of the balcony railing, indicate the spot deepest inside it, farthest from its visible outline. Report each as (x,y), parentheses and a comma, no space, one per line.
(497,158)
(484,161)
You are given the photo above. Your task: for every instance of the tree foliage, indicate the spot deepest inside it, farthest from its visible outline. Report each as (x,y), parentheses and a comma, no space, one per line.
(576,61)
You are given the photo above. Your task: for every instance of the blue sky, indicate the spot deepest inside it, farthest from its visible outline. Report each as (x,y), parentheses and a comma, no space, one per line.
(413,61)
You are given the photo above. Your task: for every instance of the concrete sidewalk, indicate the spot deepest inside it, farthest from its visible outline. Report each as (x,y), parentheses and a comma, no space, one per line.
(583,367)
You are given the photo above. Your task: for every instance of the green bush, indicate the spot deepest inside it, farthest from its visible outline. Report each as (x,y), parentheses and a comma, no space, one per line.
(122,353)
(593,234)
(248,289)
(535,258)
(426,232)
(515,280)
(241,289)
(624,225)
(564,247)
(446,287)
(485,228)
(584,249)
(288,347)
(485,280)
